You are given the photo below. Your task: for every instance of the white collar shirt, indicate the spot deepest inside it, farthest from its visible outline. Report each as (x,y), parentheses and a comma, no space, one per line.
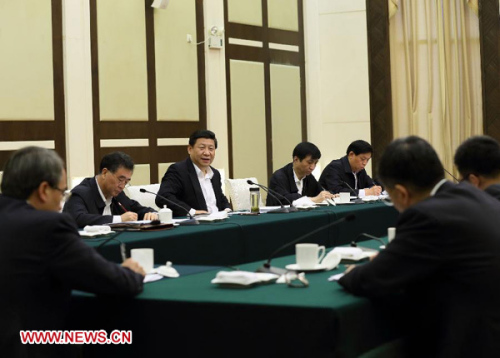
(207,188)
(298,182)
(107,208)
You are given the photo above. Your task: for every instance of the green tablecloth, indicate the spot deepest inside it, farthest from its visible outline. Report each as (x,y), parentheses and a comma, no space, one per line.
(193,317)
(241,239)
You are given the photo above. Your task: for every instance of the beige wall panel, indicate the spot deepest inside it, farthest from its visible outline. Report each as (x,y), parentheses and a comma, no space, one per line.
(141,175)
(15,145)
(285,112)
(162,169)
(26,77)
(122,60)
(344,6)
(247,12)
(248,120)
(283,14)
(176,62)
(344,84)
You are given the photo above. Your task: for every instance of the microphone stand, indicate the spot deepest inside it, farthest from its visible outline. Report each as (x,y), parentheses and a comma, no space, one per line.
(358,200)
(123,252)
(191,221)
(279,271)
(354,243)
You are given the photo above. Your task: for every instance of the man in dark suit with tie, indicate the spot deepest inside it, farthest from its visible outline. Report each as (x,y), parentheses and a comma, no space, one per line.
(194,184)
(101,200)
(42,256)
(478,161)
(349,172)
(445,258)
(294,181)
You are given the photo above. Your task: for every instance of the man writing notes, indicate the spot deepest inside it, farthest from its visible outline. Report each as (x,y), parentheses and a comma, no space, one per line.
(42,257)
(350,171)
(101,200)
(444,258)
(193,184)
(295,182)
(478,161)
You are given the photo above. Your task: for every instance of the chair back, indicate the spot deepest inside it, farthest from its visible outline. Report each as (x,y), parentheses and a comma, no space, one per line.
(239,193)
(145,199)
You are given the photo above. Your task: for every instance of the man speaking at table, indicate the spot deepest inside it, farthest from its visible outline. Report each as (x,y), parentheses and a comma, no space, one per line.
(295,182)
(42,257)
(194,184)
(101,200)
(445,257)
(348,173)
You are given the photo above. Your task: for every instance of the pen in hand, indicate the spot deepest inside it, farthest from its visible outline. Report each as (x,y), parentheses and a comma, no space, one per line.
(123,208)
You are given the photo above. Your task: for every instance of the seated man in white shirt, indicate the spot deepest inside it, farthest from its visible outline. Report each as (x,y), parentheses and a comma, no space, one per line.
(193,184)
(295,182)
(101,200)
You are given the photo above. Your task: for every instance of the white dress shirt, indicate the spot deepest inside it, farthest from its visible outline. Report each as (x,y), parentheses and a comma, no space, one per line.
(207,189)
(107,208)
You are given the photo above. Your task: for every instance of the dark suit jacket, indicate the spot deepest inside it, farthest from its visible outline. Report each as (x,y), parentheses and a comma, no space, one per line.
(340,170)
(283,182)
(86,205)
(494,190)
(446,260)
(181,185)
(42,258)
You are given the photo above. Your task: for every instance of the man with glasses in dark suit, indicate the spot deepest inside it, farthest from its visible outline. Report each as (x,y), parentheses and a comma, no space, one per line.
(478,162)
(101,200)
(43,258)
(444,260)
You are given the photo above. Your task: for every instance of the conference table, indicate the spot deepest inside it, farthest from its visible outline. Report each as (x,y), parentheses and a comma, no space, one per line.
(191,317)
(242,239)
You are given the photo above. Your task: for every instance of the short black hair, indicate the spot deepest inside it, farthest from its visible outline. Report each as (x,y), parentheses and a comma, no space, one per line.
(202,133)
(412,162)
(304,149)
(478,155)
(27,168)
(113,161)
(358,147)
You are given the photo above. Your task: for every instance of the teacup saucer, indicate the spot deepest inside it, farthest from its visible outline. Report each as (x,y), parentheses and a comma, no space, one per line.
(295,267)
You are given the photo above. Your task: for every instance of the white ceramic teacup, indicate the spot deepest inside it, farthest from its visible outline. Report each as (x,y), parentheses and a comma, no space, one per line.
(165,215)
(345,197)
(391,233)
(307,255)
(145,258)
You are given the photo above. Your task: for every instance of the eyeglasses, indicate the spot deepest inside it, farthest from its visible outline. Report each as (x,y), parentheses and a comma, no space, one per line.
(66,194)
(122,180)
(296,280)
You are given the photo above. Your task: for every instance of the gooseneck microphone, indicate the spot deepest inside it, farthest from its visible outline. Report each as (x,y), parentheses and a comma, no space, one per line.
(354,243)
(191,221)
(451,175)
(358,200)
(279,271)
(291,209)
(123,252)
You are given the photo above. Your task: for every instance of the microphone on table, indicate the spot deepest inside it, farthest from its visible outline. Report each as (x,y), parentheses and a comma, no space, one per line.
(279,271)
(451,175)
(354,243)
(123,252)
(191,221)
(358,200)
(291,209)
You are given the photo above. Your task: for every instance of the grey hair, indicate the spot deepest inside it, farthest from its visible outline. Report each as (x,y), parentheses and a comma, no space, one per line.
(27,168)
